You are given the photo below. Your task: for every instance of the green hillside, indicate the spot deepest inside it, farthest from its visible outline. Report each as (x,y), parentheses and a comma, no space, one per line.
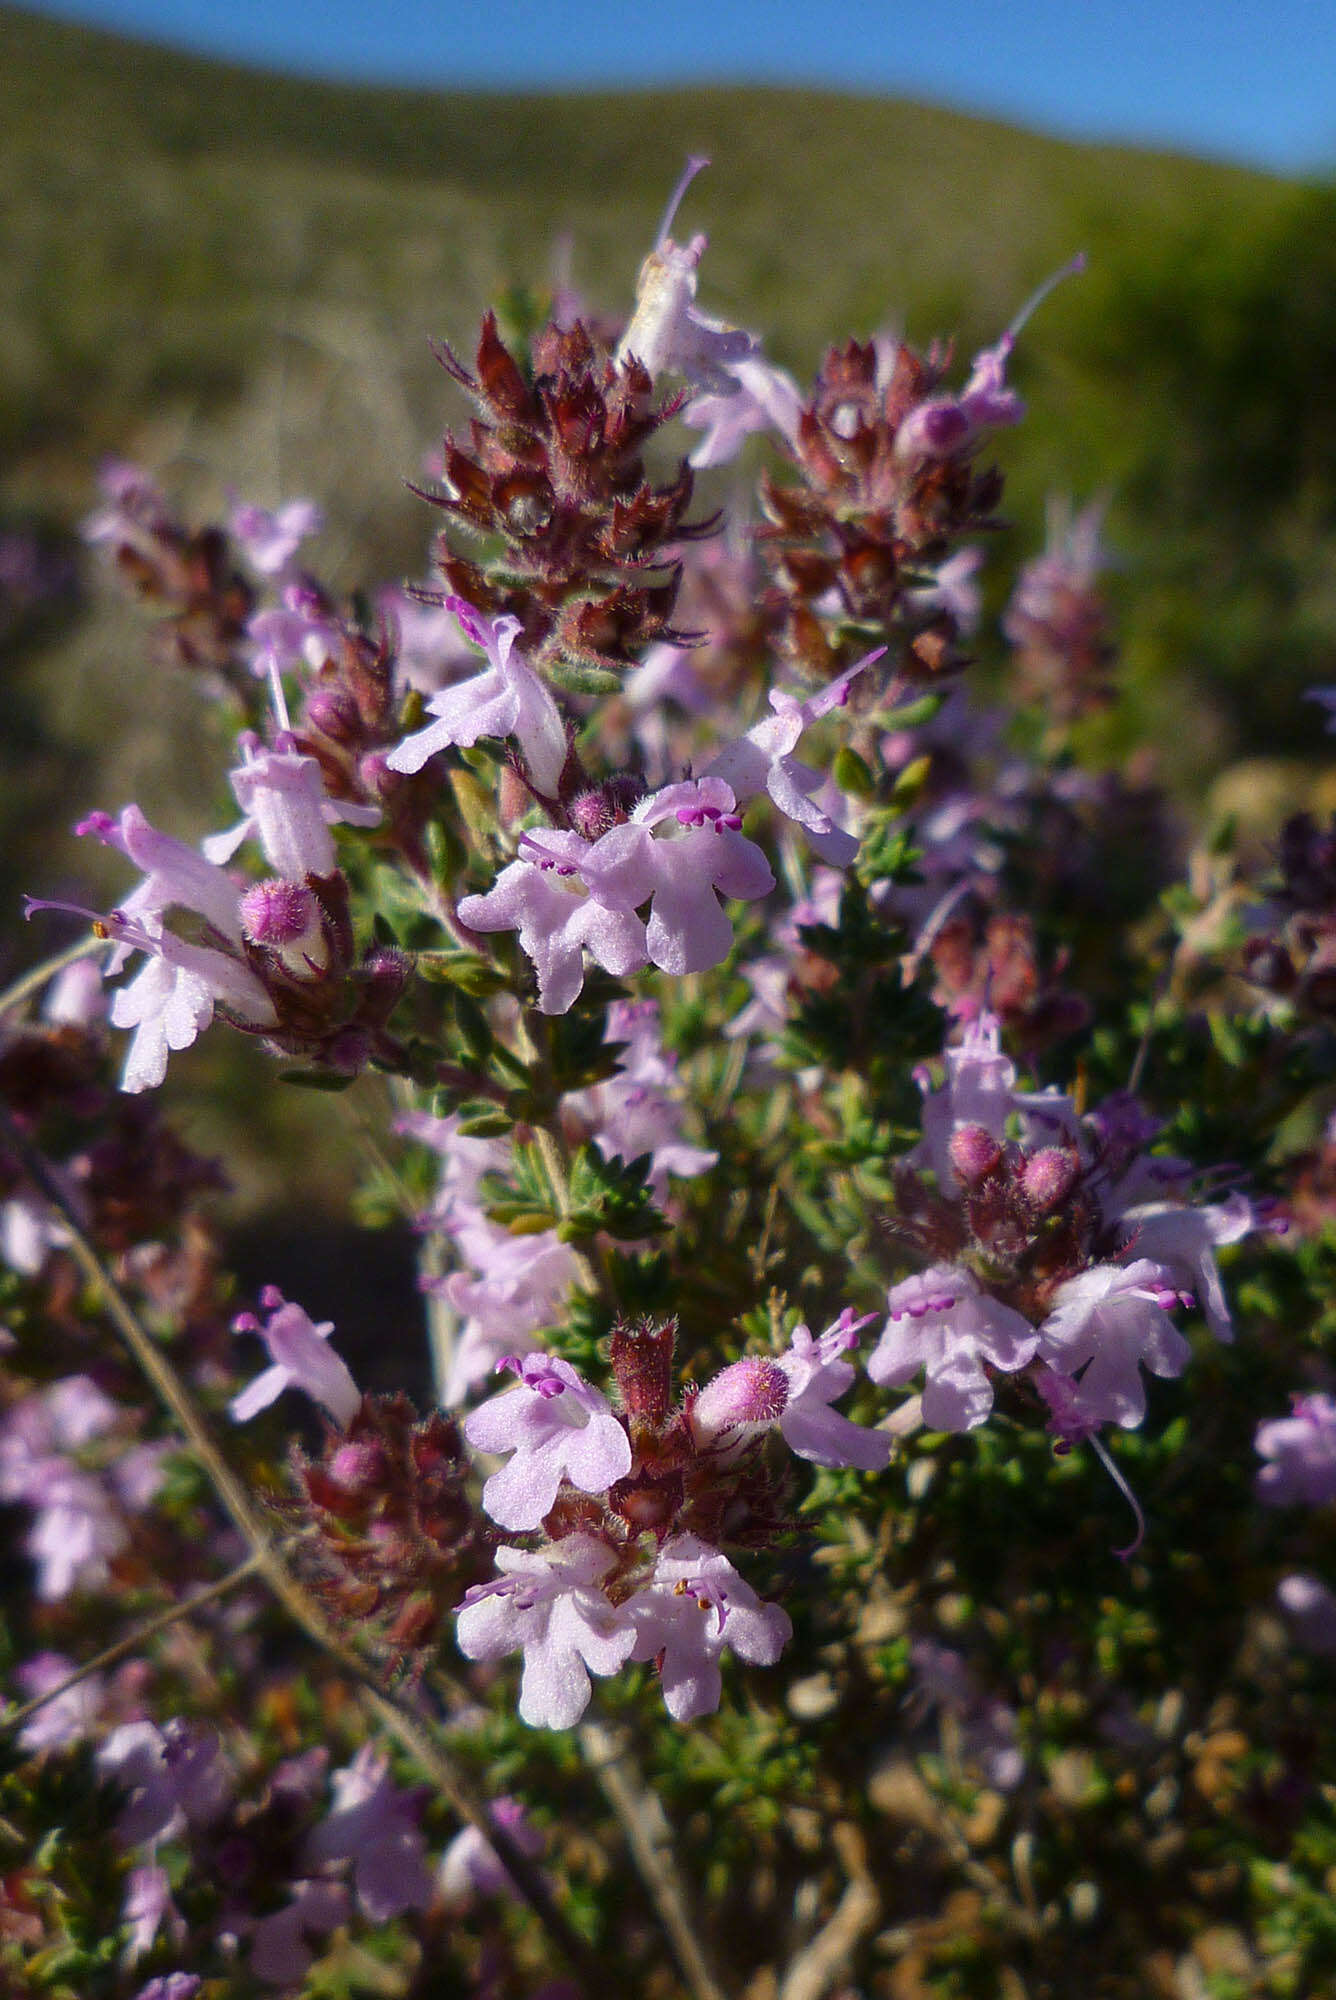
(172,224)
(235,277)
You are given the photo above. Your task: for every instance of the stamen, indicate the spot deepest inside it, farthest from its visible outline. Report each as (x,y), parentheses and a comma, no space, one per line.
(1123,1555)
(695,163)
(1071,269)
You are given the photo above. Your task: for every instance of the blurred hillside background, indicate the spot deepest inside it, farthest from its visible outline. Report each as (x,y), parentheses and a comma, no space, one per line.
(233,277)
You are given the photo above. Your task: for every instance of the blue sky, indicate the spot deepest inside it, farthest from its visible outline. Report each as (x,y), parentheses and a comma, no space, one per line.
(1248,80)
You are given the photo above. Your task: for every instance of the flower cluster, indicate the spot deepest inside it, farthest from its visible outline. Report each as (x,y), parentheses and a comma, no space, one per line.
(634,1502)
(1057,1241)
(685,951)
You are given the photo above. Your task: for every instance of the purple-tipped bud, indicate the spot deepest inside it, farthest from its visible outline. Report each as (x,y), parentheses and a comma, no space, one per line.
(375,774)
(607,805)
(745,1397)
(332,709)
(285,918)
(974,1153)
(1049,1176)
(277,912)
(591,814)
(360,1463)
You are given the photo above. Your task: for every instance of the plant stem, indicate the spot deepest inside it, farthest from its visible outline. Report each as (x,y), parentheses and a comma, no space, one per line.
(649,1837)
(134,1641)
(34,980)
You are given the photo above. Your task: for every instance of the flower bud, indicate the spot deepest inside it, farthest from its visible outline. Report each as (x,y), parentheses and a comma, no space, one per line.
(1049,1176)
(332,709)
(642,1363)
(285,918)
(745,1397)
(973,1152)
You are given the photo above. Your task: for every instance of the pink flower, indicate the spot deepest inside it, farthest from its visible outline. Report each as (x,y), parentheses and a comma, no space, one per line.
(763,760)
(301,1358)
(700,855)
(942,1322)
(1184,1239)
(817,1374)
(980,1091)
(66,1718)
(272,540)
(1301,1450)
(507,699)
(172,999)
(471,1865)
(549,1606)
(557,1427)
(281,792)
(746,1397)
(694,1606)
(635,1112)
(375,1826)
(762,398)
(148,1906)
(562,895)
(1112,1321)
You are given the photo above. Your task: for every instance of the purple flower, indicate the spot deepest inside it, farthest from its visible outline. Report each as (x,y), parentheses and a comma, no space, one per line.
(301,1358)
(987,1727)
(172,999)
(763,760)
(1301,1450)
(563,894)
(694,1606)
(173,1777)
(953,590)
(636,1112)
(148,1906)
(550,1606)
(943,426)
(980,1091)
(299,632)
(817,1374)
(1184,1240)
(175,876)
(521,1283)
(279,1953)
(66,1718)
(432,650)
(171,1986)
(700,855)
(1112,1321)
(272,540)
(507,699)
(471,1865)
(173,996)
(281,792)
(762,398)
(557,1427)
(941,1322)
(375,1826)
(77,1527)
